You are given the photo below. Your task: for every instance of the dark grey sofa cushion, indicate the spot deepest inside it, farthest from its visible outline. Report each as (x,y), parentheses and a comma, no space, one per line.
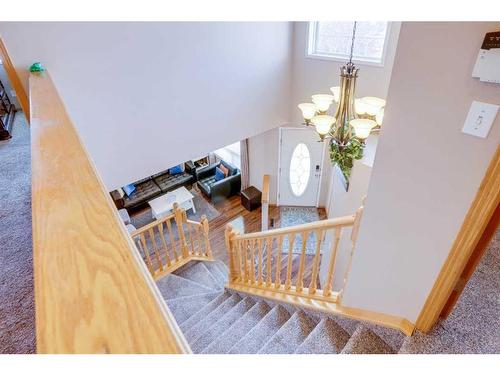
(168,182)
(206,183)
(145,190)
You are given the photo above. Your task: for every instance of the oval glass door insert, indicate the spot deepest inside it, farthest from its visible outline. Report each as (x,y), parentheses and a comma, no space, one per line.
(300,169)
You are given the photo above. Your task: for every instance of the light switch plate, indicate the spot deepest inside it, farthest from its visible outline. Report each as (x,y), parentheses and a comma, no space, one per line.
(480,119)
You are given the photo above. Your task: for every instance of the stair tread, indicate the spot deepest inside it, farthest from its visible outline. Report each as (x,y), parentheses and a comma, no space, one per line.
(364,341)
(198,329)
(253,340)
(183,308)
(327,338)
(289,337)
(203,312)
(391,337)
(200,274)
(233,334)
(223,324)
(215,269)
(173,286)
(348,325)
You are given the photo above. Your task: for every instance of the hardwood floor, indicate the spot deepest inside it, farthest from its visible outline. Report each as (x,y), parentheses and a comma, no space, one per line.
(231,211)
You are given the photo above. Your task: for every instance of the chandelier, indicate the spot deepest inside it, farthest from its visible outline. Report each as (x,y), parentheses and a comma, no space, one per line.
(353,120)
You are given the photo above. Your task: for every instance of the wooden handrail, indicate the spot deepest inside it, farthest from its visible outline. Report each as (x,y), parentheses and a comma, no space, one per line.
(343,221)
(93,293)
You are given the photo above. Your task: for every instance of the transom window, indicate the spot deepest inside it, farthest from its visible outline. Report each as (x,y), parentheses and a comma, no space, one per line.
(332,40)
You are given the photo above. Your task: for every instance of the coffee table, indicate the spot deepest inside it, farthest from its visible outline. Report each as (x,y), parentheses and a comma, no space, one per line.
(164,204)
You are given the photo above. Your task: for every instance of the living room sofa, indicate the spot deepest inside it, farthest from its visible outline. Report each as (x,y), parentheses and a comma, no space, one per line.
(152,187)
(217,190)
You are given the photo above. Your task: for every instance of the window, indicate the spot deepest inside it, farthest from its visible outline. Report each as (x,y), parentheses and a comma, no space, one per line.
(332,40)
(230,153)
(300,169)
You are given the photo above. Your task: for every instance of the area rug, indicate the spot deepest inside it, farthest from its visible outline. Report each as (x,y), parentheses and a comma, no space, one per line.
(203,207)
(290,216)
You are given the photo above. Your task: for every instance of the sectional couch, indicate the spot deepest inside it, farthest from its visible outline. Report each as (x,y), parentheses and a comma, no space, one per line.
(218,190)
(151,187)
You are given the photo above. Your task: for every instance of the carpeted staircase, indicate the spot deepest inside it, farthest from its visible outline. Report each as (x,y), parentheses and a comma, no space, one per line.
(219,321)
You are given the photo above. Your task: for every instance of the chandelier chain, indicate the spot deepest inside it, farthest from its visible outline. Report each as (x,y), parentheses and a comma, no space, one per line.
(352,41)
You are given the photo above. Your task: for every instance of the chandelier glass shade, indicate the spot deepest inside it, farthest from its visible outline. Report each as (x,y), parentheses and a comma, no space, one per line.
(351,123)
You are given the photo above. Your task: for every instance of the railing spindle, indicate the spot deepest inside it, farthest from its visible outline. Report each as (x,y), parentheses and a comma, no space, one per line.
(300,276)
(200,243)
(252,261)
(313,285)
(327,290)
(146,253)
(261,245)
(155,248)
(245,261)
(277,280)
(239,260)
(190,235)
(291,243)
(172,240)
(269,253)
(164,242)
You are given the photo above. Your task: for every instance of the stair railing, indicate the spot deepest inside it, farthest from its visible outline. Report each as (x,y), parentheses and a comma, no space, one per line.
(170,242)
(256,259)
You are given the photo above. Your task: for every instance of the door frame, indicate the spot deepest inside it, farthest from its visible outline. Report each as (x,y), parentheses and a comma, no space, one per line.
(473,228)
(280,142)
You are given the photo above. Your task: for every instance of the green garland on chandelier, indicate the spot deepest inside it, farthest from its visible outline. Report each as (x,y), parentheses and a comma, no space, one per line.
(345,156)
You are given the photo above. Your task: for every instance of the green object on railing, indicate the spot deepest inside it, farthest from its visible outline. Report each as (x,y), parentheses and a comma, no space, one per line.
(37,67)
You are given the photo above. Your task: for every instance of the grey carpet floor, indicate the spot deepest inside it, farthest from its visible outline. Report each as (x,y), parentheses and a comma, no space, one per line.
(17,312)
(474,325)
(218,321)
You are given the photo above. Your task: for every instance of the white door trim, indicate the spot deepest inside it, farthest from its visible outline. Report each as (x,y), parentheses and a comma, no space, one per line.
(280,140)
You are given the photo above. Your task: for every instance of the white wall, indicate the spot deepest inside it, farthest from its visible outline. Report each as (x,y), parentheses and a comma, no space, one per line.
(142,94)
(426,172)
(263,151)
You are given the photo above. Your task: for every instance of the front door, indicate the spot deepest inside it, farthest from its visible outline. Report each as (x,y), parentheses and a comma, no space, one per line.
(301,158)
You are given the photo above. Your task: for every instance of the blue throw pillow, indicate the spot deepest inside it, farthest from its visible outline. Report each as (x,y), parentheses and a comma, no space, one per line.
(176,170)
(129,189)
(219,175)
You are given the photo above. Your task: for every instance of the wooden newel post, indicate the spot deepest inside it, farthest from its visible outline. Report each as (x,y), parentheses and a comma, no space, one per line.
(179,221)
(229,234)
(204,223)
